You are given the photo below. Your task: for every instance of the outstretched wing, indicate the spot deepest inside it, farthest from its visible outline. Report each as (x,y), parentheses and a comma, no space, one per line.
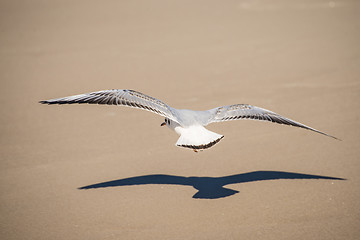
(245,111)
(143,180)
(268,175)
(129,98)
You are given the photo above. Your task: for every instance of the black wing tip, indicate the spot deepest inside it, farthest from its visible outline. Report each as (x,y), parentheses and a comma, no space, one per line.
(282,120)
(60,102)
(44,102)
(49,102)
(335,138)
(325,134)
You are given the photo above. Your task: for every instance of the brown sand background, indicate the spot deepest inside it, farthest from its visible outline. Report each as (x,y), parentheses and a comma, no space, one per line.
(298,58)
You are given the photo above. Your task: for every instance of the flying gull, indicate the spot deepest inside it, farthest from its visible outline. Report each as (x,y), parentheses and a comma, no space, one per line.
(189,124)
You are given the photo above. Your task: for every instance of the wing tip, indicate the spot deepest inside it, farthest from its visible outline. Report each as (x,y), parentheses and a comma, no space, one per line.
(334,137)
(44,102)
(49,102)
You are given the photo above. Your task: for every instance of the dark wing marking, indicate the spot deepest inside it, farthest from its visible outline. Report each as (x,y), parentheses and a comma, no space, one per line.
(129,98)
(245,111)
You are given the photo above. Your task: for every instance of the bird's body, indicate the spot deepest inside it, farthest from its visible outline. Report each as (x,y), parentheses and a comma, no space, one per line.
(189,124)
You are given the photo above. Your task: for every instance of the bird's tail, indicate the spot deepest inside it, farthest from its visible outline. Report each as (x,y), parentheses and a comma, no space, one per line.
(198,138)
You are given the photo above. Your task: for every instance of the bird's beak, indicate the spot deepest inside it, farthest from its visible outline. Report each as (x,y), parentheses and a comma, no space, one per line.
(163,124)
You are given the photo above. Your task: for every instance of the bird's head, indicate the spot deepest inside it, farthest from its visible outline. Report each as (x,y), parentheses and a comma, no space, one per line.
(167,122)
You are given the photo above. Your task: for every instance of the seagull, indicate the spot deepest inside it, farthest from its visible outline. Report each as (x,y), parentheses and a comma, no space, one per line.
(189,124)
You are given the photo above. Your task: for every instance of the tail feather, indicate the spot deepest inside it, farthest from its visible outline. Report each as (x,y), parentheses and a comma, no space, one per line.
(197,138)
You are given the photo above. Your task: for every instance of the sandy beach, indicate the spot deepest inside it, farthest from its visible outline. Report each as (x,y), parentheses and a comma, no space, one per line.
(110,172)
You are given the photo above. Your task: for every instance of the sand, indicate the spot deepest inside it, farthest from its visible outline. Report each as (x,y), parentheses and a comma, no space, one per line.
(262,181)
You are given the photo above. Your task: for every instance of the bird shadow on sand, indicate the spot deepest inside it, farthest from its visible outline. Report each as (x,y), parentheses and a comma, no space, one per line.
(208,187)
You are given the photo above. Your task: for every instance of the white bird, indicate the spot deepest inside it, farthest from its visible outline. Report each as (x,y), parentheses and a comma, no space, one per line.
(189,124)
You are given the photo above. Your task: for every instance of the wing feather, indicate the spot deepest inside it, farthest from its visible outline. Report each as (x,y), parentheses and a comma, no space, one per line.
(245,111)
(125,97)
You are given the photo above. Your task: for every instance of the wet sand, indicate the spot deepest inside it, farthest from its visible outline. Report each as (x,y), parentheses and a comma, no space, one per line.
(106,172)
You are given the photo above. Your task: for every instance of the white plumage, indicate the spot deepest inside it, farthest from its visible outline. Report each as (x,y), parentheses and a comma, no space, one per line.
(189,124)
